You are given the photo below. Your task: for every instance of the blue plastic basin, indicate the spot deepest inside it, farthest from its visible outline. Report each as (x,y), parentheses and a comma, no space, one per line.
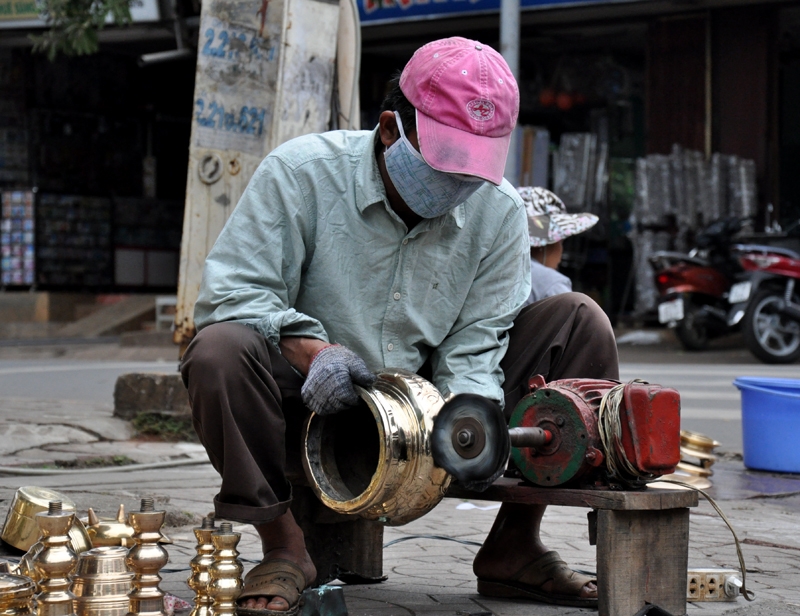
(770,423)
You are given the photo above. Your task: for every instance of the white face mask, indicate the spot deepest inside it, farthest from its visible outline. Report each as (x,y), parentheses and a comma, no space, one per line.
(428,192)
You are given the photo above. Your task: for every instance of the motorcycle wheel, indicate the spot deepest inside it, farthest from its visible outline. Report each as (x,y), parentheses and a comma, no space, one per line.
(692,330)
(770,336)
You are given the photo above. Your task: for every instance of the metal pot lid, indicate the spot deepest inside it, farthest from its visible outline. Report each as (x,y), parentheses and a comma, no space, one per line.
(16,586)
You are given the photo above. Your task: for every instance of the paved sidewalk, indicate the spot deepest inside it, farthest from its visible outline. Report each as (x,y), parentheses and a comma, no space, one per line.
(433,577)
(430,577)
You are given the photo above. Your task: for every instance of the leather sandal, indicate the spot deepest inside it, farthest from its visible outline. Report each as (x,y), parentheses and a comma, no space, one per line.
(567,584)
(273,578)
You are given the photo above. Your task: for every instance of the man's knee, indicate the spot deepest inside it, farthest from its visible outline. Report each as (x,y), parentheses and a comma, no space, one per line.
(590,312)
(219,348)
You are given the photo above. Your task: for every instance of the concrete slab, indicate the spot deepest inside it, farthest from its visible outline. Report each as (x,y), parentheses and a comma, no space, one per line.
(93,418)
(16,437)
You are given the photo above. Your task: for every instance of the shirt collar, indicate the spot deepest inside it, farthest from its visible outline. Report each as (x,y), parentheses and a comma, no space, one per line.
(370,184)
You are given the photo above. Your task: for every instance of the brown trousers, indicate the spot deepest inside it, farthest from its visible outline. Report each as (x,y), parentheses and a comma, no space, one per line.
(246,402)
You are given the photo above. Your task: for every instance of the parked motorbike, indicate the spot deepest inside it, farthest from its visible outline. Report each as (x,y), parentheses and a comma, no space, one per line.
(766,300)
(693,288)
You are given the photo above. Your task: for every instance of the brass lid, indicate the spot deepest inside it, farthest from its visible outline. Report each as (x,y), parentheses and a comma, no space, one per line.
(695,440)
(15,587)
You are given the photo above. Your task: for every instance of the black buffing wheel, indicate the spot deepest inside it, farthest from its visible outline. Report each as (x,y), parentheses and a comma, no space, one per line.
(470,440)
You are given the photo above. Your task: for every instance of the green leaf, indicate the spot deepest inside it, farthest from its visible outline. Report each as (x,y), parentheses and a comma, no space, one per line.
(74,25)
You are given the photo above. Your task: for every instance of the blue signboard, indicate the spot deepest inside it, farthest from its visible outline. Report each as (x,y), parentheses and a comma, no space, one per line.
(385,11)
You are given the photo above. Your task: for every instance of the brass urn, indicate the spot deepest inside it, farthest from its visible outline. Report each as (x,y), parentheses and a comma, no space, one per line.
(374,460)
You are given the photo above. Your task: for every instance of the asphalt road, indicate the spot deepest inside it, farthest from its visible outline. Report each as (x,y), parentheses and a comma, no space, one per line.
(710,402)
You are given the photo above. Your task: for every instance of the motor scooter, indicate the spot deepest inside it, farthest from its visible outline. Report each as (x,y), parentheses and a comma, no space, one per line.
(693,288)
(766,300)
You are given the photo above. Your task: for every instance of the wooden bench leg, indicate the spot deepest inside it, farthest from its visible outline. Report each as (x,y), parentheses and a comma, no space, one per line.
(642,557)
(345,547)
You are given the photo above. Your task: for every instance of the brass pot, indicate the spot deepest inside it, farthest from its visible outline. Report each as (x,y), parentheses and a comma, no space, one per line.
(375,460)
(20,528)
(101,582)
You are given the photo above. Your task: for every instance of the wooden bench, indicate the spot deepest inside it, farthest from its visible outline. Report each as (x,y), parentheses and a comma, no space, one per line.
(642,540)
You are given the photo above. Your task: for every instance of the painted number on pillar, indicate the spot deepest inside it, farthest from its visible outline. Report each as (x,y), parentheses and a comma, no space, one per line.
(229,45)
(248,120)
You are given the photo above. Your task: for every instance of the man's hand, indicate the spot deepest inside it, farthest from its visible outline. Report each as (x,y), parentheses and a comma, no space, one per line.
(329,385)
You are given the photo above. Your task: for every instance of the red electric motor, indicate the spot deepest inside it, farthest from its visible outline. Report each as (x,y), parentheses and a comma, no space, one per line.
(637,438)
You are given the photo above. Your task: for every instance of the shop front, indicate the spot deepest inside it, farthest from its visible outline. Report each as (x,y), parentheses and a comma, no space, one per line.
(93,159)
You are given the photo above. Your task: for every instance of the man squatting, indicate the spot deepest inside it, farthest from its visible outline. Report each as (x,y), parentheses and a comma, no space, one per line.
(401,247)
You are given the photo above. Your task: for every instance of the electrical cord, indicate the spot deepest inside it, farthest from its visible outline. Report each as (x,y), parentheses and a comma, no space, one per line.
(439,537)
(748,594)
(620,467)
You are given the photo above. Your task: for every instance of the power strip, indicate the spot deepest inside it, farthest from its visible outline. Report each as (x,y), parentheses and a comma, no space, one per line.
(713,585)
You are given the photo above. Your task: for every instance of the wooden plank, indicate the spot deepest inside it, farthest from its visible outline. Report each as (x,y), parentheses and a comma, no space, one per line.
(512,491)
(642,557)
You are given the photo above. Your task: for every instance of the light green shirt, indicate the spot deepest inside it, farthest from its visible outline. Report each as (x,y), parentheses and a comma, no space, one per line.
(313,249)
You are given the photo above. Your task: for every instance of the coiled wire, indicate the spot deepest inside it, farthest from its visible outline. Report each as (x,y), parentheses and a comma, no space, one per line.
(621,469)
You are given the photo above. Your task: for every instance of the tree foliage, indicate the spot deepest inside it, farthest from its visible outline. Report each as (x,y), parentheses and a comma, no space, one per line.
(74,25)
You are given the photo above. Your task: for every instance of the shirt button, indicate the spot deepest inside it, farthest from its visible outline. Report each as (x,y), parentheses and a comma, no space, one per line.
(405,241)
(396,296)
(390,346)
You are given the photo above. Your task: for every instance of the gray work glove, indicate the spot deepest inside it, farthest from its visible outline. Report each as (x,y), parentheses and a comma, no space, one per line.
(329,385)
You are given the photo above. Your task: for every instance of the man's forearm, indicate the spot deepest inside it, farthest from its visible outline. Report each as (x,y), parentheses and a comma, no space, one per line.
(300,351)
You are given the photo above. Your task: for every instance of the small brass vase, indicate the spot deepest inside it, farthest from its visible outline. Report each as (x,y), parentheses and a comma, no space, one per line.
(375,460)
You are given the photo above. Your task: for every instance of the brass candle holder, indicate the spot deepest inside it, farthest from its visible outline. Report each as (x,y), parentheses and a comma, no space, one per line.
(55,563)
(226,571)
(201,577)
(146,559)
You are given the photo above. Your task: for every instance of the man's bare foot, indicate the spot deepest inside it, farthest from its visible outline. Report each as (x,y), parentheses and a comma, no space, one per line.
(282,539)
(513,544)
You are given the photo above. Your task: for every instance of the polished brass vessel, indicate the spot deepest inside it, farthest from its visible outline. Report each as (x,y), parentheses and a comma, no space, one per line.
(374,460)
(20,528)
(109,531)
(16,592)
(102,582)
(697,458)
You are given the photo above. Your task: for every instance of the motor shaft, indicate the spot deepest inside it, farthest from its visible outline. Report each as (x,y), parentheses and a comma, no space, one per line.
(529,437)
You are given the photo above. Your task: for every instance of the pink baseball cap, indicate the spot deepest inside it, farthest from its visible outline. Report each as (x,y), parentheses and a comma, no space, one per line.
(467,103)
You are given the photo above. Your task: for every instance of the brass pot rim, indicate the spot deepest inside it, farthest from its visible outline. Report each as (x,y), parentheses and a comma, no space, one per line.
(399,390)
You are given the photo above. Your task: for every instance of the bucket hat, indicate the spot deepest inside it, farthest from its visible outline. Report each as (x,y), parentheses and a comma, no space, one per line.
(548,219)
(467,103)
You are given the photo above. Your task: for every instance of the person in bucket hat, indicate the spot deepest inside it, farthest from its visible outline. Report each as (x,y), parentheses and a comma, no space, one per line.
(549,224)
(353,251)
